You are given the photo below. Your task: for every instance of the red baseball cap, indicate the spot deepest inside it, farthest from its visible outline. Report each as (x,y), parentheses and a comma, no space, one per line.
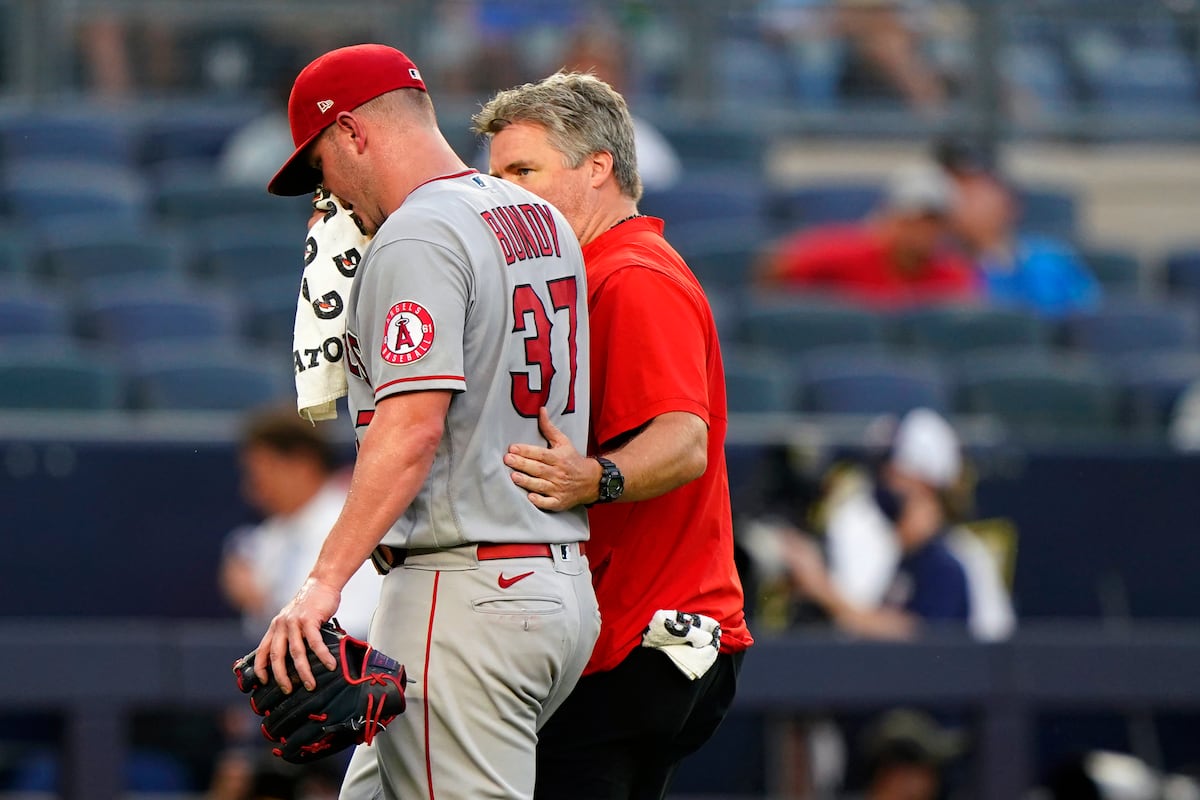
(340,80)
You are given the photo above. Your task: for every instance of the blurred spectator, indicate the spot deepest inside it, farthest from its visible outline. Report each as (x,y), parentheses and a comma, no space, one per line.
(904,755)
(886,45)
(114,46)
(598,47)
(290,474)
(1108,775)
(895,557)
(895,257)
(1039,272)
(252,152)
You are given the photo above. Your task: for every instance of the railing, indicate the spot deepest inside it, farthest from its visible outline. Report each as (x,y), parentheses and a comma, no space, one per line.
(96,673)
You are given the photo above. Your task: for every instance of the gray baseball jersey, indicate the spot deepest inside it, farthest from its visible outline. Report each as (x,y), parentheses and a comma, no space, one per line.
(476,286)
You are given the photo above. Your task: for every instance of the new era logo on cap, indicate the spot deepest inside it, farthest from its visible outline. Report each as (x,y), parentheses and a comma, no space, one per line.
(324,105)
(414,73)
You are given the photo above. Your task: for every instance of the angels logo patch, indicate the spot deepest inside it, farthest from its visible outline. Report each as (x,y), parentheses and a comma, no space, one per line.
(407,333)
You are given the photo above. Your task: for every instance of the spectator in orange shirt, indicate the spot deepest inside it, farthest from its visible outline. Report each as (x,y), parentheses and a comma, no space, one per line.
(893,258)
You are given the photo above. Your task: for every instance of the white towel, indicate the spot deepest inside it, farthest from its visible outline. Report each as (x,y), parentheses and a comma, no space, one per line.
(332,253)
(691,640)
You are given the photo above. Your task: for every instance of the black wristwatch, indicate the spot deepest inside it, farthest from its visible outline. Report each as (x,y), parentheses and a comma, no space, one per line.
(612,482)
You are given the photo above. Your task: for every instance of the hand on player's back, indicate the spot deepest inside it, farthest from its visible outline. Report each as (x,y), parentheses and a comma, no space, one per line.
(557,477)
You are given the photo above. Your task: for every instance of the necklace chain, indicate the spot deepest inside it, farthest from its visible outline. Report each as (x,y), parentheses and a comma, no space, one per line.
(618,222)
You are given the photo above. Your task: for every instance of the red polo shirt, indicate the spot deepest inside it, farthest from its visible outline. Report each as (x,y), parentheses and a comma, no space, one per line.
(655,350)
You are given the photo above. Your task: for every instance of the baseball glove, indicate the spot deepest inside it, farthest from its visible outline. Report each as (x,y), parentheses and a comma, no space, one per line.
(348,706)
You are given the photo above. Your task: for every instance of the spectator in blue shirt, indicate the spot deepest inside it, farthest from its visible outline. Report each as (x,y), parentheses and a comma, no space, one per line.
(1037,272)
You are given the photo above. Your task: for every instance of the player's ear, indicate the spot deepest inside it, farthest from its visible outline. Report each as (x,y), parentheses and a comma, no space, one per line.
(353,128)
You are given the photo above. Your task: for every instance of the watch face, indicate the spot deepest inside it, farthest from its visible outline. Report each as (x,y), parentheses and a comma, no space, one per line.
(612,482)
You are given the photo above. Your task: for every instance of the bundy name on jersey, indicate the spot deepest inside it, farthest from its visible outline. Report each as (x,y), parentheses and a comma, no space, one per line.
(524,231)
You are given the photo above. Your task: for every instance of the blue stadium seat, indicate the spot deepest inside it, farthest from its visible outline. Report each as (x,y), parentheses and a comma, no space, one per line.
(190,134)
(269,310)
(748,70)
(1039,69)
(100,137)
(709,148)
(1118,269)
(804,206)
(236,250)
(55,377)
(1048,210)
(208,378)
(199,199)
(1131,326)
(43,195)
(871,384)
(85,256)
(17,249)
(729,201)
(1134,64)
(758,383)
(31,312)
(138,316)
(955,330)
(1181,272)
(792,326)
(1150,386)
(720,258)
(1040,397)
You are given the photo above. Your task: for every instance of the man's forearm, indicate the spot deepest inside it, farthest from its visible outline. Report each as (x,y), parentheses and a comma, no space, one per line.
(669,452)
(391,467)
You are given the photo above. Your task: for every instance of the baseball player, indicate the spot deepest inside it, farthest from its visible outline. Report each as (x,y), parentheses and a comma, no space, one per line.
(674,629)
(467,314)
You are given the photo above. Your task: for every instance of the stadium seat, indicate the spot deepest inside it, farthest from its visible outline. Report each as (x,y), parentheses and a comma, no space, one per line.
(1118,269)
(799,207)
(1120,328)
(1039,69)
(758,383)
(200,199)
(1040,397)
(234,251)
(189,135)
(99,137)
(1048,210)
(41,196)
(79,257)
(708,148)
(31,312)
(58,378)
(843,383)
(954,330)
(1150,385)
(730,202)
(209,378)
(721,259)
(792,326)
(16,253)
(748,71)
(1181,273)
(269,310)
(133,317)
(1134,67)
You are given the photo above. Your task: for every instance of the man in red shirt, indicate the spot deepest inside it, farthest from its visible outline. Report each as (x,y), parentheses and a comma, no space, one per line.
(673,630)
(896,257)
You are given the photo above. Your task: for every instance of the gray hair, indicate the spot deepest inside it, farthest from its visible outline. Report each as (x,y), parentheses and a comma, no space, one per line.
(581,114)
